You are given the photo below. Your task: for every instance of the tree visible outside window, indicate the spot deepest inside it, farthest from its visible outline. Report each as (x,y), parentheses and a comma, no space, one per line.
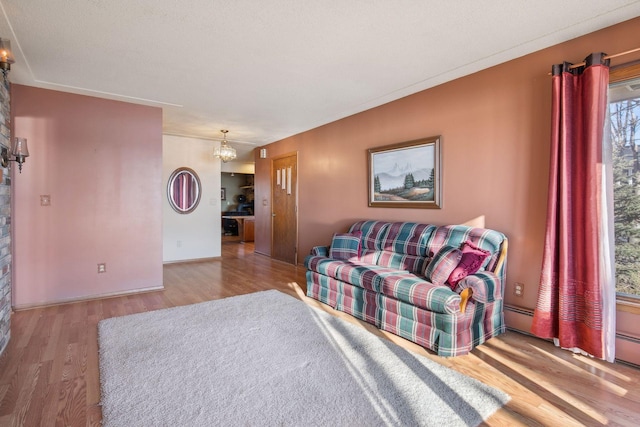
(624,108)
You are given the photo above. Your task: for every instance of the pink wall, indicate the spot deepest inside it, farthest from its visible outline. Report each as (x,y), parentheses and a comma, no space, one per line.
(101,163)
(495,150)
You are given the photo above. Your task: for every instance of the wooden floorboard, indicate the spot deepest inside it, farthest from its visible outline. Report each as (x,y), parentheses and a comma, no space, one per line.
(49,373)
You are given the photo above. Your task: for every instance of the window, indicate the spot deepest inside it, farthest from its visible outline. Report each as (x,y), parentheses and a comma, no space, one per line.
(624,109)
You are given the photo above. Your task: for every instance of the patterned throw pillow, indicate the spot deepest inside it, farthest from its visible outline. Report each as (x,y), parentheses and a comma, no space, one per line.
(346,245)
(442,264)
(472,259)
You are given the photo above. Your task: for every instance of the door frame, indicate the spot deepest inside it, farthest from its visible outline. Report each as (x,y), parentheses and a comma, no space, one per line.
(295,193)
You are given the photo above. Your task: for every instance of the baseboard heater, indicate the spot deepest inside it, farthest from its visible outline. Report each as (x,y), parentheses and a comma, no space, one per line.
(529,313)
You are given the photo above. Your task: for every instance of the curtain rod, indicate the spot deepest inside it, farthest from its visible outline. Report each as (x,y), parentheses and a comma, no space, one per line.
(583,63)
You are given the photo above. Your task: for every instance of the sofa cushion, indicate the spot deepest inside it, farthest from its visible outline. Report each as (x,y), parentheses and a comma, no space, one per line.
(407,238)
(364,276)
(323,265)
(345,245)
(372,232)
(412,263)
(370,256)
(414,290)
(442,265)
(353,272)
(472,259)
(455,235)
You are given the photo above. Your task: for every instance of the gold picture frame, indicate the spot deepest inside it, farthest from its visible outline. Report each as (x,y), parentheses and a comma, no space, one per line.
(406,175)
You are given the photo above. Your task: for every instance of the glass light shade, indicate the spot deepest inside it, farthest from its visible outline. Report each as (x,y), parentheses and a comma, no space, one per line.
(19,149)
(225,152)
(6,54)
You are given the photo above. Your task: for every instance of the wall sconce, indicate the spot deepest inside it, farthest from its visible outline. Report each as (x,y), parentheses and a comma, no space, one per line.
(6,56)
(263,153)
(19,153)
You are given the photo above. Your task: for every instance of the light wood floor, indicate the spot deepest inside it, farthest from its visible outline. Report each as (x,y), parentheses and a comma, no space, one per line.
(49,372)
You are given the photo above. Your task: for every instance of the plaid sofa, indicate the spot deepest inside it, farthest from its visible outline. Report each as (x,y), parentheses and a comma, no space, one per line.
(384,283)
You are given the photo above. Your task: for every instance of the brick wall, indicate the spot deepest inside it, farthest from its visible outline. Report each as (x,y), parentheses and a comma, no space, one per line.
(5,219)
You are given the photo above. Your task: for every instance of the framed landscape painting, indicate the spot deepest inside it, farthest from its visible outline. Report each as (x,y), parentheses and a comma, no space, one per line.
(406,175)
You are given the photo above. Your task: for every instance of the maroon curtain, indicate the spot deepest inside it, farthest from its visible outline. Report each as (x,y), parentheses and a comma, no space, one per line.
(570,301)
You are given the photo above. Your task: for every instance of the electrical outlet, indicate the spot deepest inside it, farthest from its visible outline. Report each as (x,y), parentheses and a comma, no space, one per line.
(102,267)
(518,289)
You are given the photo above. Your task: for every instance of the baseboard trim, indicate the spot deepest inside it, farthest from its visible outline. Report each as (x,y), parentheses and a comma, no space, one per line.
(624,362)
(87,298)
(184,261)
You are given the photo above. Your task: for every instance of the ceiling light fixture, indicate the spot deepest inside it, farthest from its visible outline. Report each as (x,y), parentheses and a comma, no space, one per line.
(6,55)
(225,152)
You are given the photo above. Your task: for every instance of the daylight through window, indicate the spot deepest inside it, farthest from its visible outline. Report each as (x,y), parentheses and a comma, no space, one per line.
(624,109)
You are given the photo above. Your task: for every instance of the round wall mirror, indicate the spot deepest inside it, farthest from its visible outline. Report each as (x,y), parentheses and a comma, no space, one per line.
(183,190)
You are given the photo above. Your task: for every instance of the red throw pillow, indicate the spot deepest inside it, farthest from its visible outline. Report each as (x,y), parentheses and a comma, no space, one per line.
(472,259)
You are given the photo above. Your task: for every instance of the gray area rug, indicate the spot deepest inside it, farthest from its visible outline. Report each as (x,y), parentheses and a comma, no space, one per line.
(267,359)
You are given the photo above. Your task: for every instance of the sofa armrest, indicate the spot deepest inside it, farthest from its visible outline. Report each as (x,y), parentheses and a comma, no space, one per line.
(320,251)
(484,286)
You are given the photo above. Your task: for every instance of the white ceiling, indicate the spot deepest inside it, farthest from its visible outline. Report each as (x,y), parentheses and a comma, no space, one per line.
(269,69)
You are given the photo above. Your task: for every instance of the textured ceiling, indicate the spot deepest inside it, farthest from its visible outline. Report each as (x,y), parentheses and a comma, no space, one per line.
(269,69)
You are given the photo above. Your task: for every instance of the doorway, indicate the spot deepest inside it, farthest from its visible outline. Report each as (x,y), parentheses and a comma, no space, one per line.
(237,207)
(284,215)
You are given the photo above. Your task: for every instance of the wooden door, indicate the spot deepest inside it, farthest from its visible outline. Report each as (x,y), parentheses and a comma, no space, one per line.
(284,202)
